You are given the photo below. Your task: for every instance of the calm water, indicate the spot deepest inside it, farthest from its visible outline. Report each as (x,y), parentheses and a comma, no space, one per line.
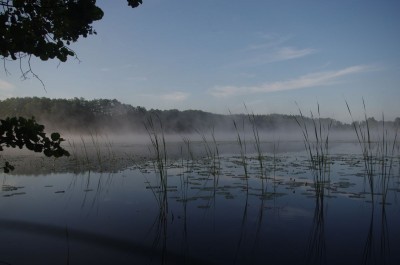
(210,213)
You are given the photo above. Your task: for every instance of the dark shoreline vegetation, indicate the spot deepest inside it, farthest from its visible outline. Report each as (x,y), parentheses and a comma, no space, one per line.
(105,116)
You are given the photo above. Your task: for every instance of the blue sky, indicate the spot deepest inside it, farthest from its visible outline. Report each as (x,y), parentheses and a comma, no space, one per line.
(217,55)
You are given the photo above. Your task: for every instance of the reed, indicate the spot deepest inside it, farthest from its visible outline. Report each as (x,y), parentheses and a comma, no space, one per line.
(364,139)
(73,150)
(316,144)
(212,153)
(257,142)
(189,150)
(85,150)
(378,155)
(158,145)
(110,149)
(274,162)
(243,150)
(386,156)
(96,146)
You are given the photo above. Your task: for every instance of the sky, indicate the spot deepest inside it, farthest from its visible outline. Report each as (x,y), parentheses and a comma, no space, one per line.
(273,56)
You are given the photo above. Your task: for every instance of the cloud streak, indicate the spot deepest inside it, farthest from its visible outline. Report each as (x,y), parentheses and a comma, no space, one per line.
(175,96)
(277,54)
(270,41)
(288,53)
(306,81)
(6,86)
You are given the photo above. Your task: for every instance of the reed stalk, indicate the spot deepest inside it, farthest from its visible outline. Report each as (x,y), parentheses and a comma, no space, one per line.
(158,144)
(317,146)
(212,153)
(96,146)
(257,141)
(243,150)
(378,156)
(85,150)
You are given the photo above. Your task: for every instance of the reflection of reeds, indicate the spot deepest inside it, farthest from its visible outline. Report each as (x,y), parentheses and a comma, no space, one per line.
(242,229)
(372,254)
(184,188)
(316,249)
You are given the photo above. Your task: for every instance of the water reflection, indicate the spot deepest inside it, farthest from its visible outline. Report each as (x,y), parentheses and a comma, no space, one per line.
(137,252)
(200,217)
(316,249)
(377,250)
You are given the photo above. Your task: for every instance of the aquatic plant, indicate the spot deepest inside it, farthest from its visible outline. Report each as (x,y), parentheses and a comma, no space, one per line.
(243,150)
(377,155)
(212,153)
(159,149)
(73,150)
(317,147)
(96,146)
(189,150)
(257,142)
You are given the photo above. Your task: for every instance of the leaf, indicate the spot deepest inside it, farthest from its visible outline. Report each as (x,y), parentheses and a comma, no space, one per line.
(55,136)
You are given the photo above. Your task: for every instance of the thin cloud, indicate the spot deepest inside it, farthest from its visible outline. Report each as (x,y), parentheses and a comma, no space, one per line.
(171,96)
(137,78)
(175,96)
(6,86)
(274,49)
(269,41)
(306,81)
(277,54)
(288,53)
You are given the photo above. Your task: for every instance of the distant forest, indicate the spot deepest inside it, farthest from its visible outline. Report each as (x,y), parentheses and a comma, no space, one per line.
(111,116)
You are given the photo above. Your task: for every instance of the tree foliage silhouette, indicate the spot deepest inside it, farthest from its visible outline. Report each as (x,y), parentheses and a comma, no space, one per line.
(44,29)
(21,132)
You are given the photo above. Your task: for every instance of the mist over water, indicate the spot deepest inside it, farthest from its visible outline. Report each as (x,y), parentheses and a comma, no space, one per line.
(237,189)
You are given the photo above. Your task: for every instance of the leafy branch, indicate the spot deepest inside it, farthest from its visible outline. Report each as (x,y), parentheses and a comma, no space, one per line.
(21,132)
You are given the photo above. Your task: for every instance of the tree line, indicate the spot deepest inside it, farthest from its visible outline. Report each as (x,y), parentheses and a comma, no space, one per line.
(79,115)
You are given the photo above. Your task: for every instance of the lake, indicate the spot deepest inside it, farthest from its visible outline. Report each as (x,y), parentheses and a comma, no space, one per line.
(207,203)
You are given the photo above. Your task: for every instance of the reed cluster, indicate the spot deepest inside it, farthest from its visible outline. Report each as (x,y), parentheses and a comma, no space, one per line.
(378,154)
(316,143)
(159,149)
